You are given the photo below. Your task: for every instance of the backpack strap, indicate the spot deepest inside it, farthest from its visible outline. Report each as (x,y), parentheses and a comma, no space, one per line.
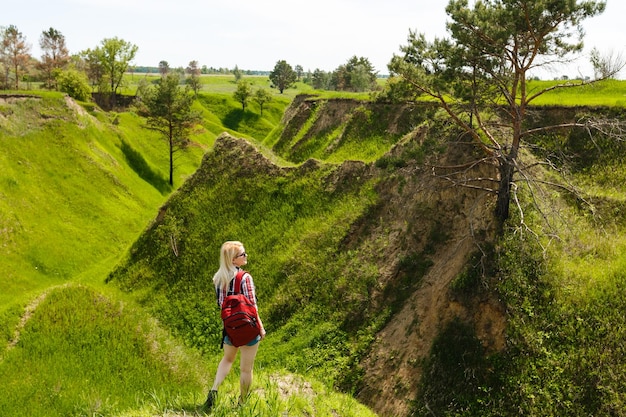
(238,279)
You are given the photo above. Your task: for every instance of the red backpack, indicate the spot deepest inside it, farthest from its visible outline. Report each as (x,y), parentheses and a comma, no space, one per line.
(239,315)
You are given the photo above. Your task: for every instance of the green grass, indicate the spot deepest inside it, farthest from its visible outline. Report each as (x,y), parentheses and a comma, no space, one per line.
(82,353)
(55,215)
(222,84)
(604,93)
(77,191)
(78,188)
(273,394)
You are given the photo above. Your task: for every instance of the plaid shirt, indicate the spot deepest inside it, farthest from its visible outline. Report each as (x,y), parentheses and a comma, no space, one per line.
(247,289)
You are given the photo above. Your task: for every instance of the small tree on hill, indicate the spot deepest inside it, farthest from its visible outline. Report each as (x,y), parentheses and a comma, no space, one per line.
(243,93)
(193,80)
(116,55)
(321,80)
(479,75)
(283,76)
(168,110)
(262,96)
(356,75)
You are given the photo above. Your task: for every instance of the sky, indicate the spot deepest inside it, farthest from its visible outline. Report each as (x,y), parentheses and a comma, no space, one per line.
(255,34)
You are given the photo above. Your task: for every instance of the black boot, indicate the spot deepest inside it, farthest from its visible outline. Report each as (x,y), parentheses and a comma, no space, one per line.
(210,400)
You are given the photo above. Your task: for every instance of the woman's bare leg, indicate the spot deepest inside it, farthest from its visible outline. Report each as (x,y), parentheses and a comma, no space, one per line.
(248,353)
(230,353)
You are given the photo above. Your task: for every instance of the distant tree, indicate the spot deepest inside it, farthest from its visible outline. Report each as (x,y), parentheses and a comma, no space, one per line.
(237,73)
(109,62)
(90,63)
(299,71)
(321,80)
(361,79)
(606,66)
(243,93)
(193,81)
(484,67)
(262,96)
(168,109)
(14,52)
(116,54)
(357,74)
(55,55)
(164,68)
(74,83)
(283,76)
(340,79)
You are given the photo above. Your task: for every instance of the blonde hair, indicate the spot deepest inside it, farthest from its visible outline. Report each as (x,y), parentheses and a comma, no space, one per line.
(227,270)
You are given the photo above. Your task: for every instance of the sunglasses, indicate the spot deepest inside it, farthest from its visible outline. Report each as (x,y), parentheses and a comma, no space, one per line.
(242,254)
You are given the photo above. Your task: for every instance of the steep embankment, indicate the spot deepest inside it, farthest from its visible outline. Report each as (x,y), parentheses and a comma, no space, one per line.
(429,227)
(353,261)
(75,189)
(446,226)
(344,129)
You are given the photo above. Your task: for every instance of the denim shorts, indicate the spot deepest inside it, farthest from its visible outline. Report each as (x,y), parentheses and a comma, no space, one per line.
(250,343)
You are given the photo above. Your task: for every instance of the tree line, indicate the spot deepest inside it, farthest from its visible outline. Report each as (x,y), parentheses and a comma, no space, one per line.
(101,69)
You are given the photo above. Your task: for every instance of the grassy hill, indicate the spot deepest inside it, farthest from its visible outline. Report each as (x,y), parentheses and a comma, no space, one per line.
(368,270)
(78,187)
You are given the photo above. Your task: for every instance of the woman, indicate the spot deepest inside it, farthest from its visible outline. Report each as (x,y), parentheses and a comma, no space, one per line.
(232,257)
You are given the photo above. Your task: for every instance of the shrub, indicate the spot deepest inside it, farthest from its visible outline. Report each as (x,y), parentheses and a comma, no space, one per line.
(75,84)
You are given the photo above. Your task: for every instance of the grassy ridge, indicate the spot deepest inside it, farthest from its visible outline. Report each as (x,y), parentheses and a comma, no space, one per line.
(289,221)
(78,187)
(56,219)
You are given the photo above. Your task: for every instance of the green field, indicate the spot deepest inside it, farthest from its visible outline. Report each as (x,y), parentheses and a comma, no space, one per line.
(604,93)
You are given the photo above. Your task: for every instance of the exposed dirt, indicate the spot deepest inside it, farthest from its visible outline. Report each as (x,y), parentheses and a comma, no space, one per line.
(415,208)
(75,106)
(12,98)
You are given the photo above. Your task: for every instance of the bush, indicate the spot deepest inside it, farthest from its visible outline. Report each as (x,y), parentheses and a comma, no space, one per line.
(75,84)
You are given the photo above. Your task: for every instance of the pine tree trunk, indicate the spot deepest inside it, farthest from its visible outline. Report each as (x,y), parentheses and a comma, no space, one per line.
(504,191)
(171,160)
